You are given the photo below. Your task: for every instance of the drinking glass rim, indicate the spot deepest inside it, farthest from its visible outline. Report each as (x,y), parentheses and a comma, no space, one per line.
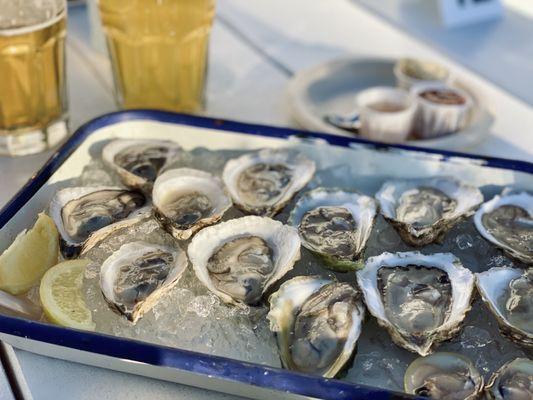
(35,27)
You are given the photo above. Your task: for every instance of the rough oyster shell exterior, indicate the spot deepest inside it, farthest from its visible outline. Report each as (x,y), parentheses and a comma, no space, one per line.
(462,281)
(282,239)
(466,196)
(362,208)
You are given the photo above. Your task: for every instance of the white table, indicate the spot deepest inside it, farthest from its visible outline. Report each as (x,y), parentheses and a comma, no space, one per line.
(6,391)
(256,47)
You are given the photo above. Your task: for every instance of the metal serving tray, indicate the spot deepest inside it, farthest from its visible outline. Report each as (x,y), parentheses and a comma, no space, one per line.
(217,373)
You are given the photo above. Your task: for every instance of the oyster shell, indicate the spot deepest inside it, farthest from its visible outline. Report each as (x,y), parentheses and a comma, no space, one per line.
(443,375)
(139,161)
(334,224)
(507,221)
(239,259)
(19,307)
(513,381)
(508,292)
(186,200)
(420,299)
(264,182)
(96,239)
(317,323)
(423,210)
(135,277)
(80,211)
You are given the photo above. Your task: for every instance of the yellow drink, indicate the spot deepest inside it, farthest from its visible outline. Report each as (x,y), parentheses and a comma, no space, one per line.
(32,84)
(158,49)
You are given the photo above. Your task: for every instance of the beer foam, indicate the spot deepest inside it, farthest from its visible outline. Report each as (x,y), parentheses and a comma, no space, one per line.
(25,16)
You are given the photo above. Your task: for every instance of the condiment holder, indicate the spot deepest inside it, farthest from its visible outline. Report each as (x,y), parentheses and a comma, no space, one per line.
(386,113)
(326,98)
(422,106)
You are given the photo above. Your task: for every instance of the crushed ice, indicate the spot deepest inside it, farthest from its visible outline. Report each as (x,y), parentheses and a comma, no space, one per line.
(192,318)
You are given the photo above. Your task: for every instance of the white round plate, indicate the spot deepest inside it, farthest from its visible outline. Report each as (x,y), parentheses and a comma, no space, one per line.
(331,88)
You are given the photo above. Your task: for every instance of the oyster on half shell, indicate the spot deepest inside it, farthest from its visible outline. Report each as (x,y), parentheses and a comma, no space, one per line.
(420,299)
(317,323)
(507,221)
(186,200)
(134,278)
(263,182)
(423,210)
(508,293)
(443,375)
(80,211)
(138,162)
(96,239)
(513,381)
(239,259)
(334,224)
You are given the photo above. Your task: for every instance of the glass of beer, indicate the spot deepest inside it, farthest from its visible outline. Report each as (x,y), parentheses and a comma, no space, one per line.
(33,100)
(158,50)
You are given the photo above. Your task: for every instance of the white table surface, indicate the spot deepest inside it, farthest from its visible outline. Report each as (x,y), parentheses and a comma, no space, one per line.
(256,46)
(5,388)
(6,392)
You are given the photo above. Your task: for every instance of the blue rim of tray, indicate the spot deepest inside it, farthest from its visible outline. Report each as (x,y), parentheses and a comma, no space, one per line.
(209,366)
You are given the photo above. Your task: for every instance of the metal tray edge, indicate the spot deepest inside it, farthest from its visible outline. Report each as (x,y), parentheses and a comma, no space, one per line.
(207,365)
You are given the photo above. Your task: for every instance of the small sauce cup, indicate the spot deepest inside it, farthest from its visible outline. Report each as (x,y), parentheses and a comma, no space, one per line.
(441,110)
(410,72)
(386,114)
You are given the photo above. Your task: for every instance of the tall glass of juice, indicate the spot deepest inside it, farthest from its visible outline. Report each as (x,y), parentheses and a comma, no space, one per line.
(158,50)
(33,100)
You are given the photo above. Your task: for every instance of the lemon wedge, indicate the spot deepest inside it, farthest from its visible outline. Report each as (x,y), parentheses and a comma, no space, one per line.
(62,297)
(31,254)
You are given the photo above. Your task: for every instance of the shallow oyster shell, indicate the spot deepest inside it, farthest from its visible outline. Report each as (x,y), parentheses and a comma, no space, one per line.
(148,158)
(462,283)
(522,200)
(287,173)
(282,240)
(512,381)
(128,258)
(287,302)
(443,375)
(363,210)
(96,238)
(177,184)
(466,198)
(70,245)
(492,285)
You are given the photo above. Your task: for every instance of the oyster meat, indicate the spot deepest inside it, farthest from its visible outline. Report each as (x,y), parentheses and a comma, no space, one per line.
(186,200)
(420,299)
(447,376)
(507,221)
(508,292)
(317,323)
(513,381)
(334,224)
(423,210)
(264,182)
(80,211)
(135,277)
(139,161)
(239,259)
